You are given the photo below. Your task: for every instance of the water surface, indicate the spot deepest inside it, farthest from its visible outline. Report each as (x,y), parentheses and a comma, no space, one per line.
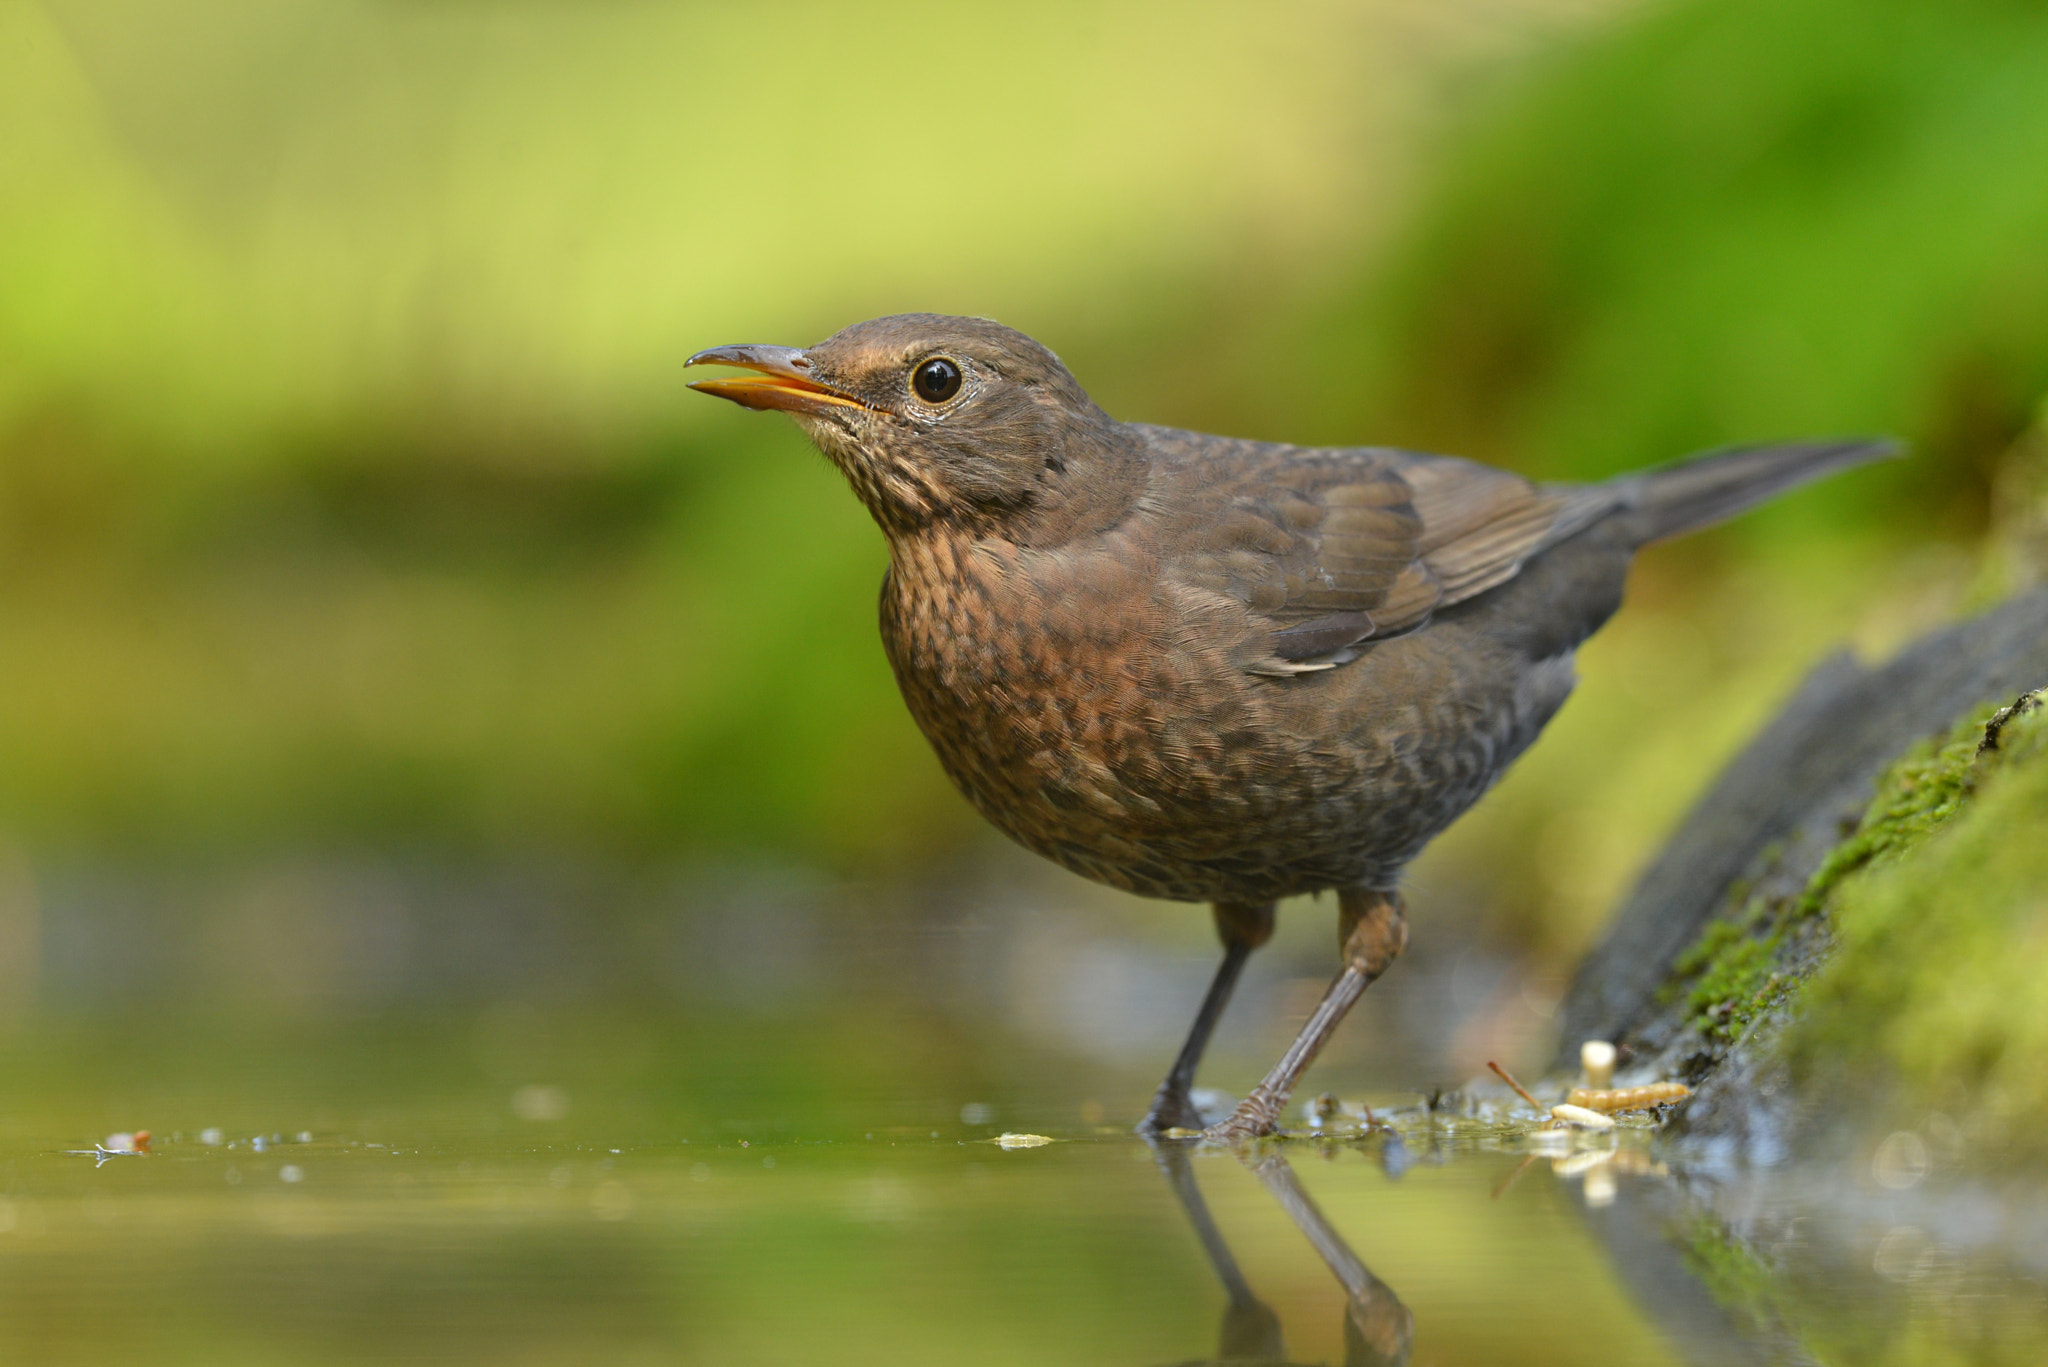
(546,1155)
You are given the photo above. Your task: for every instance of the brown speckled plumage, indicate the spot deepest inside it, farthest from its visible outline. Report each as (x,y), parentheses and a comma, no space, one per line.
(1203,668)
(1113,721)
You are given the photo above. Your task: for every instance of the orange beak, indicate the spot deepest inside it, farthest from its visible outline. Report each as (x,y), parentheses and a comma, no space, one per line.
(783,384)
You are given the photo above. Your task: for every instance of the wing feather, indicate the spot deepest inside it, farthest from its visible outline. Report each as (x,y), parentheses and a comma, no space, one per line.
(1338,547)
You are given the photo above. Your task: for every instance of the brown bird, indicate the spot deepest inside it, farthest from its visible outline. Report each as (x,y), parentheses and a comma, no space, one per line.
(1216,670)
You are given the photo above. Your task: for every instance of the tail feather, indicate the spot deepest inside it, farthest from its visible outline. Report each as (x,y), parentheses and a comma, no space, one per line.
(1708,489)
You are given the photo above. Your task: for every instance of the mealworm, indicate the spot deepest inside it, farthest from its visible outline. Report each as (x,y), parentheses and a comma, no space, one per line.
(1629,1098)
(1581,1117)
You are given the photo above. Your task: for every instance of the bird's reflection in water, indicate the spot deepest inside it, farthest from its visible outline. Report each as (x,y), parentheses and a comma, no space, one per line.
(1377,1327)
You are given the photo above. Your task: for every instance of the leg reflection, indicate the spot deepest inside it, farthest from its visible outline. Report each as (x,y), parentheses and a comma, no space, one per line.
(1377,1327)
(1251,1331)
(1378,1330)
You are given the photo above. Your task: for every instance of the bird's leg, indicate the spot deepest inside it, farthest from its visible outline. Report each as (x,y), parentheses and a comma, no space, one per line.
(1243,928)
(1371,933)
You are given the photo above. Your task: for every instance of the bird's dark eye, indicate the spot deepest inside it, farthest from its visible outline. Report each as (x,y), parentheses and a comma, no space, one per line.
(936,380)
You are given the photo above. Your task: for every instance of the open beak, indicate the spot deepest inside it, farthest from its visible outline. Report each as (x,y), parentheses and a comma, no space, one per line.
(784,382)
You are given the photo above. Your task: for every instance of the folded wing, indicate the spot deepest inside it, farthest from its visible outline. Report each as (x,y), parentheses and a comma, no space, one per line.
(1338,548)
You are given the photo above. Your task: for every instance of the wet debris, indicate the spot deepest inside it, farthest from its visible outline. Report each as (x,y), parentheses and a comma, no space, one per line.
(1648,1097)
(1994,730)
(1586,1111)
(1327,1113)
(1023,1141)
(121,1145)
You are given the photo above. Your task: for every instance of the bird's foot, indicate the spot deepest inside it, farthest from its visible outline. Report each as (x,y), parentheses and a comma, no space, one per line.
(1257,1116)
(1173,1114)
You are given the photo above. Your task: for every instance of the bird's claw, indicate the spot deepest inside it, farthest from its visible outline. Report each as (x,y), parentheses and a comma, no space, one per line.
(1255,1117)
(1171,1111)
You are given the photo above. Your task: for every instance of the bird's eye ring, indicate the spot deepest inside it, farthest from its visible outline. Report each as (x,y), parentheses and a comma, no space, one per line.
(936,380)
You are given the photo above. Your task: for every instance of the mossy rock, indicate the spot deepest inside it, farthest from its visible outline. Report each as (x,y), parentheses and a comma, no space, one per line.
(1851,931)
(1935,1001)
(1737,968)
(1907,983)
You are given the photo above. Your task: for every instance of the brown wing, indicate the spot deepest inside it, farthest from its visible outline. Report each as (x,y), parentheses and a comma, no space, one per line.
(1339,547)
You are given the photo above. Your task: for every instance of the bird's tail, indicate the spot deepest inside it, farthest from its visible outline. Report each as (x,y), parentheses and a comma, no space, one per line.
(1706,489)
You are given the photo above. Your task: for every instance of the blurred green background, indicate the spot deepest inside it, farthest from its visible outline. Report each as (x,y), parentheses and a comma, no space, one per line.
(426,726)
(353,516)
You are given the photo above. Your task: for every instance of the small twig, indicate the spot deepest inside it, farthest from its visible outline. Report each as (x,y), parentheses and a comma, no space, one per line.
(1505,1076)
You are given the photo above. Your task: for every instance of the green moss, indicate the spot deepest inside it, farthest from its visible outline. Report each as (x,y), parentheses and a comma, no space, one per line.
(1735,970)
(1728,967)
(1918,795)
(1937,998)
(1719,938)
(1741,983)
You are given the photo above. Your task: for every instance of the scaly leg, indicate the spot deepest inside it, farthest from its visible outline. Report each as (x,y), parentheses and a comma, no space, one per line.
(1243,928)
(1372,931)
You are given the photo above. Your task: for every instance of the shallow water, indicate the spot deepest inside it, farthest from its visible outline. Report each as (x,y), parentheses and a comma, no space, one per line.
(900,1248)
(620,1141)
(438,1215)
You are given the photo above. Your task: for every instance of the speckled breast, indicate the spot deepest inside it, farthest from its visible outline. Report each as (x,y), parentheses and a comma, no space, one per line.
(1079,714)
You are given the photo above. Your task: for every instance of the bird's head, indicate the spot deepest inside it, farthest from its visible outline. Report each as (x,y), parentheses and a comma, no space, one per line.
(941,419)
